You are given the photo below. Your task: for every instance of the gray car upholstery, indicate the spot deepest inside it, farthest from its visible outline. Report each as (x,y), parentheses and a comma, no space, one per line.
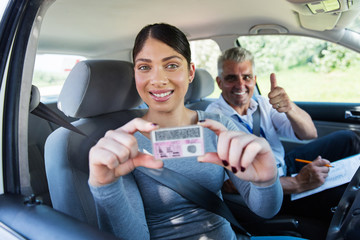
(38,131)
(100,94)
(201,87)
(97,87)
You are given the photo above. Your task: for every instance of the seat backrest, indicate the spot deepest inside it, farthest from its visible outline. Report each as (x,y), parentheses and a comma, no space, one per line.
(99,93)
(201,87)
(38,130)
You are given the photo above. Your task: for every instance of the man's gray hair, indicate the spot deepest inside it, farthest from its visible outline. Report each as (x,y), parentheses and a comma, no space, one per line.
(236,54)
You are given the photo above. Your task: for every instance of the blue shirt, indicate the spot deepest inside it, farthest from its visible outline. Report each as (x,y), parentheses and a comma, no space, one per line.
(272,123)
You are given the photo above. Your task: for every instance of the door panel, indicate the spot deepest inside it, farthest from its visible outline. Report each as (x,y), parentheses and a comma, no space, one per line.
(40,222)
(328,118)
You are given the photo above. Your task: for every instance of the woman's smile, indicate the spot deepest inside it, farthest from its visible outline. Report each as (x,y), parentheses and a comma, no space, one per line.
(161,95)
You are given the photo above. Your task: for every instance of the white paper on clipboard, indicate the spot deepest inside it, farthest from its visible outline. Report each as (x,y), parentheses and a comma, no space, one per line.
(342,172)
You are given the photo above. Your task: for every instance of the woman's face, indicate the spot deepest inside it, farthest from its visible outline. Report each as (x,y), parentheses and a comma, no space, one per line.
(162,76)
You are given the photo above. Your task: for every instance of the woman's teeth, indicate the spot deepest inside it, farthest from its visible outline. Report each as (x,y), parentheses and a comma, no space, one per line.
(162,94)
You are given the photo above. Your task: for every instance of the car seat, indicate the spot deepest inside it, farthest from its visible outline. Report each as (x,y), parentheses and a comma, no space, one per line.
(99,93)
(201,87)
(38,131)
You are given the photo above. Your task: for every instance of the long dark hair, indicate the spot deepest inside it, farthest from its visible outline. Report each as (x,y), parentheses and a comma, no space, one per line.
(167,34)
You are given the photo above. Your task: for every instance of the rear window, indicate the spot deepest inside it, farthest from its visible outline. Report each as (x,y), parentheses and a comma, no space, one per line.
(50,73)
(204,54)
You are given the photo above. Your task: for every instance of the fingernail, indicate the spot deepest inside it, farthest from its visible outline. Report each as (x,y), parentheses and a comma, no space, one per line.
(242,169)
(225,163)
(202,120)
(200,159)
(154,124)
(233,169)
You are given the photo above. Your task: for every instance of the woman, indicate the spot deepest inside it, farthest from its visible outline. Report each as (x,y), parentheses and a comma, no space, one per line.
(134,206)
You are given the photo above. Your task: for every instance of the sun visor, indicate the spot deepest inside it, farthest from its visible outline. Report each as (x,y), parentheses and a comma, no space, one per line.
(324,15)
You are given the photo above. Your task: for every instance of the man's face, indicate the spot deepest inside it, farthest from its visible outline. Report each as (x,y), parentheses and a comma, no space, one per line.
(237,83)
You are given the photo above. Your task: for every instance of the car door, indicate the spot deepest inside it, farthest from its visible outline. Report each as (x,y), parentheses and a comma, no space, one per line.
(22,216)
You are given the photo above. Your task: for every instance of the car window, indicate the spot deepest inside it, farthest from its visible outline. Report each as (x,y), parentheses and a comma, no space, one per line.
(308,69)
(3,4)
(204,54)
(50,73)
(355,25)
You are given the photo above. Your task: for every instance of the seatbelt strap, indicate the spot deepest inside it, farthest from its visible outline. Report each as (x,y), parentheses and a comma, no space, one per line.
(193,191)
(46,113)
(256,121)
(179,183)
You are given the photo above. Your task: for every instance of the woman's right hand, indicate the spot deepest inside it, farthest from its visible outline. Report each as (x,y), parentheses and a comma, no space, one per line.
(117,154)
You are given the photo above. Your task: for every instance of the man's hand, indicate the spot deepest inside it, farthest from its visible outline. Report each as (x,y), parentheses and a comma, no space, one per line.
(301,122)
(311,176)
(278,97)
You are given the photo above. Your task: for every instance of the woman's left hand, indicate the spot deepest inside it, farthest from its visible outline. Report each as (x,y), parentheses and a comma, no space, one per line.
(249,157)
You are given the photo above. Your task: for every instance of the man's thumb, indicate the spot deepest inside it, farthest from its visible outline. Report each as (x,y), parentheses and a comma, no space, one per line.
(273,81)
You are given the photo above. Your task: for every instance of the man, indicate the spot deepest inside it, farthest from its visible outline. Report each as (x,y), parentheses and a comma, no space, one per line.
(280,117)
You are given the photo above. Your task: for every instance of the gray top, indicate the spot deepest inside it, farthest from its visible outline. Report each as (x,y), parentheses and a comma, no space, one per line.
(137,207)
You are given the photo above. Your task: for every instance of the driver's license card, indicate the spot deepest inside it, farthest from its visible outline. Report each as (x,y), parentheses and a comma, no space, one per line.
(178,142)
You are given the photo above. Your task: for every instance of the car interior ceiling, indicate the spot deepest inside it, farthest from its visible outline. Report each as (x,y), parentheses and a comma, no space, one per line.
(52,29)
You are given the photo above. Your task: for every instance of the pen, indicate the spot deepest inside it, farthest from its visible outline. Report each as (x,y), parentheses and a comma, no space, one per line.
(307,161)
